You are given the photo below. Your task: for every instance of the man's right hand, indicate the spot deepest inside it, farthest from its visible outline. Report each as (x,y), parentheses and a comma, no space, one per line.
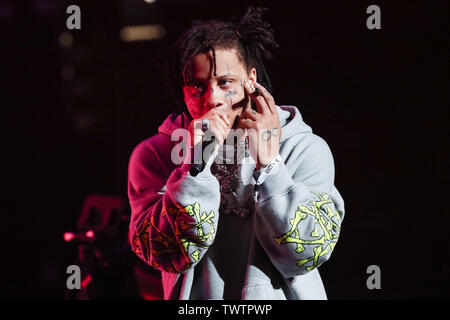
(219,125)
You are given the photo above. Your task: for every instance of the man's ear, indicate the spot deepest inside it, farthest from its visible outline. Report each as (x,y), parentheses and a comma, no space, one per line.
(252,75)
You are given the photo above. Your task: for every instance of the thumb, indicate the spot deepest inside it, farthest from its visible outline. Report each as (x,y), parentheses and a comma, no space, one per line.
(196,132)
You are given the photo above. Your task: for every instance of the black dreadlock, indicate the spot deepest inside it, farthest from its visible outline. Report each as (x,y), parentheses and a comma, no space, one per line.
(250,35)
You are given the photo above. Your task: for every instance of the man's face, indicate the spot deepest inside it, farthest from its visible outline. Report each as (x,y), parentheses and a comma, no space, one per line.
(224,91)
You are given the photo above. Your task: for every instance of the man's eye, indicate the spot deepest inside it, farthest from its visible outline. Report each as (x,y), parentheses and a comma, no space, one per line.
(225,82)
(197,88)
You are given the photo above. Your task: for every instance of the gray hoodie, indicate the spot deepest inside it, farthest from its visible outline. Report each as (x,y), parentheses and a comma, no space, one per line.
(218,235)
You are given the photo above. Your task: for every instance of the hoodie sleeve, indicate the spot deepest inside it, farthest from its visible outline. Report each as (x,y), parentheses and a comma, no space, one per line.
(299,211)
(173,214)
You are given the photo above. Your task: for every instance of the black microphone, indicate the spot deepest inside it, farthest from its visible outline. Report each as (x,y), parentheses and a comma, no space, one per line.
(196,168)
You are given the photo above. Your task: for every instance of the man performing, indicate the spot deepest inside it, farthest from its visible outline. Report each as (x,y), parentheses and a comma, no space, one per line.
(254,217)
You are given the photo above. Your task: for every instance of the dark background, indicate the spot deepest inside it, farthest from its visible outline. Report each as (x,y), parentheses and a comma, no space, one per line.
(72,116)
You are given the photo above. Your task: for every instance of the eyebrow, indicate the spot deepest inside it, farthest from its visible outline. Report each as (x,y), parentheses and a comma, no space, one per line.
(227,75)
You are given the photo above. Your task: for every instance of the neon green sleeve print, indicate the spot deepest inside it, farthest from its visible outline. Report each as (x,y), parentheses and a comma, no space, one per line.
(324,236)
(175,251)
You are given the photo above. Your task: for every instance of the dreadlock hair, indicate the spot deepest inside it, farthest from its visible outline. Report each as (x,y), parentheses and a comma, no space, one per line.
(251,36)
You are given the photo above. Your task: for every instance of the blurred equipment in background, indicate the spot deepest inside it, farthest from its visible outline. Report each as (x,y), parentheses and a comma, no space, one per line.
(109,270)
(107,79)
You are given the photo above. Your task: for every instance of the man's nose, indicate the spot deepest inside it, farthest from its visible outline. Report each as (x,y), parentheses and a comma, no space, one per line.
(213,98)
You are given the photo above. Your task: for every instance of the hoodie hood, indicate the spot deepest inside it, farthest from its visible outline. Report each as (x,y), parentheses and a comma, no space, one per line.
(291,122)
(173,121)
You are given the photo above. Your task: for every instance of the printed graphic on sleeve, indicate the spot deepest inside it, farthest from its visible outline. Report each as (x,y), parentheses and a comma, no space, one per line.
(173,250)
(324,236)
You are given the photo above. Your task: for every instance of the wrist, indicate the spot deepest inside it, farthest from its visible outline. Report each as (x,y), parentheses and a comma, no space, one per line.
(263,165)
(260,175)
(260,167)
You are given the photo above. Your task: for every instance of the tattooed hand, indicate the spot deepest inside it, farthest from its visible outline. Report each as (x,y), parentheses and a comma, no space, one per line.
(219,125)
(262,126)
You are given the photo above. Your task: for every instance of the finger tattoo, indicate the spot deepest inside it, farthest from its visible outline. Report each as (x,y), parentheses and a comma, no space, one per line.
(266,135)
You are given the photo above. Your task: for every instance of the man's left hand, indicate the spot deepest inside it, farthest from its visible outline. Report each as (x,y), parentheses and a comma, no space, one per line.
(262,126)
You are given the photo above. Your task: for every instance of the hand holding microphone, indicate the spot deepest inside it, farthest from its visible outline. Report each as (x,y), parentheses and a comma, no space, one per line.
(213,127)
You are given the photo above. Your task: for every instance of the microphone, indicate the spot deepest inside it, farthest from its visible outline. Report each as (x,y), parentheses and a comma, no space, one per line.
(196,167)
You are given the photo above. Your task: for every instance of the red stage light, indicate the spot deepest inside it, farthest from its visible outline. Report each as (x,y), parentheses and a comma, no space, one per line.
(68,236)
(85,282)
(90,234)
